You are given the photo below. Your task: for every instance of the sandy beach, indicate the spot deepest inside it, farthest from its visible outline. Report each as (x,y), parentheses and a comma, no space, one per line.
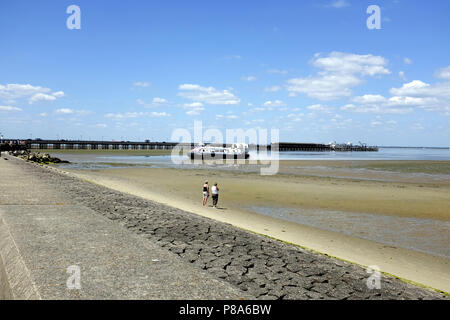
(417,190)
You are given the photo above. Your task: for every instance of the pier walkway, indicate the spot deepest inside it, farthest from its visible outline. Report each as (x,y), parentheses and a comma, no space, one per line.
(45,237)
(40,144)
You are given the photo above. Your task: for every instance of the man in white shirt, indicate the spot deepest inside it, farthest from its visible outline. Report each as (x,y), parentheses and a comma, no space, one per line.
(215,194)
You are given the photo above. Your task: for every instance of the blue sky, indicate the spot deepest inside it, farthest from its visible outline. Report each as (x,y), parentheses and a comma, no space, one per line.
(312,69)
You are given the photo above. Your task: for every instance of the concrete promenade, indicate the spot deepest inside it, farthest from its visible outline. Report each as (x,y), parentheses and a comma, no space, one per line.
(43,232)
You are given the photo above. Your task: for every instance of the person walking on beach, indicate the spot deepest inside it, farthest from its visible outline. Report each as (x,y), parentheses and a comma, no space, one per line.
(215,194)
(205,192)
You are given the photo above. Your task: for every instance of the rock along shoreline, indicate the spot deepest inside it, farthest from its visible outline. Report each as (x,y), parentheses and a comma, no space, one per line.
(41,158)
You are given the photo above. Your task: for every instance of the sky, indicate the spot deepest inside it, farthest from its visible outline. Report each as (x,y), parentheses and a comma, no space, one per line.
(138,70)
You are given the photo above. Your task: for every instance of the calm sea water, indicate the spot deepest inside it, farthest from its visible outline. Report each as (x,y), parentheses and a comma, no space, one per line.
(382,154)
(98,161)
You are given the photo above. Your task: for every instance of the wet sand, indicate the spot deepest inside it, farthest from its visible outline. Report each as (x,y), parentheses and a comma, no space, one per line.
(305,184)
(391,194)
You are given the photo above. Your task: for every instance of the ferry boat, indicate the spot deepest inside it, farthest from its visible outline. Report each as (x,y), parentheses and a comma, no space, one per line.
(210,152)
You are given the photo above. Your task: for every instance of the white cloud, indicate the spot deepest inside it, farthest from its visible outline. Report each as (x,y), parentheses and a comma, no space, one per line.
(159,100)
(348,63)
(272,89)
(407,61)
(339,4)
(376,123)
(141,84)
(378,104)
(326,87)
(430,97)
(369,99)
(418,88)
(159,114)
(410,88)
(131,115)
(274,104)
(230,116)
(339,73)
(208,95)
(156,102)
(58,94)
(41,97)
(83,112)
(14,91)
(249,78)
(11,92)
(232,57)
(320,108)
(296,117)
(417,126)
(415,94)
(9,108)
(64,111)
(194,112)
(374,109)
(193,105)
(126,115)
(351,107)
(43,114)
(391,122)
(411,101)
(277,71)
(402,76)
(194,108)
(443,73)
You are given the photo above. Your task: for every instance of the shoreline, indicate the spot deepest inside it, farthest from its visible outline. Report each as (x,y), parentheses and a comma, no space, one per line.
(421,268)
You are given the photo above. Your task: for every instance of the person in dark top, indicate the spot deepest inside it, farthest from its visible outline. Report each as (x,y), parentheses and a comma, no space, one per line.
(205,193)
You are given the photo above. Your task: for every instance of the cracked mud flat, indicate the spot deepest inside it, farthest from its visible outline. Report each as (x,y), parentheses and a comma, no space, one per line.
(265,268)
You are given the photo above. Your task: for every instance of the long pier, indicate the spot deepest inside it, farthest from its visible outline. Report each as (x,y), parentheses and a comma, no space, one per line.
(294,146)
(151,145)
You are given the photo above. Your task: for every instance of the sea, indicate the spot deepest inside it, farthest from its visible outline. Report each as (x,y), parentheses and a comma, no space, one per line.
(99,161)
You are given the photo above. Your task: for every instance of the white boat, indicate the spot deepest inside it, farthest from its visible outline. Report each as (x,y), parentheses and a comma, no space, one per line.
(209,152)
